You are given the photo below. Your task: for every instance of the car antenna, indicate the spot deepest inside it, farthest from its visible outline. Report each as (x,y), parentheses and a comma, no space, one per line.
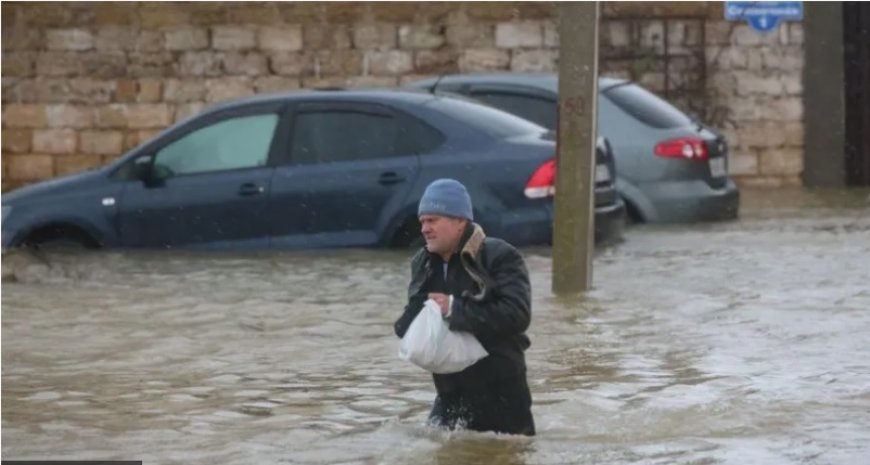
(435,86)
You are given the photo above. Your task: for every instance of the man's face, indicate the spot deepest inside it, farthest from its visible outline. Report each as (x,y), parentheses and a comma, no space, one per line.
(442,233)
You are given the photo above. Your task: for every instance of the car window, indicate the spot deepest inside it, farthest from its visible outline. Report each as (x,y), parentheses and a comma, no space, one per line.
(231,144)
(326,136)
(495,122)
(417,137)
(535,109)
(647,107)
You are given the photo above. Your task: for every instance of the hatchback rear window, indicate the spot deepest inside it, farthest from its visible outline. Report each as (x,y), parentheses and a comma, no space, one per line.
(647,107)
(535,109)
(492,121)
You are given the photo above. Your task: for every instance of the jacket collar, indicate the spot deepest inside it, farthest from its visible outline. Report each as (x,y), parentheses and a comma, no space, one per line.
(472,241)
(469,245)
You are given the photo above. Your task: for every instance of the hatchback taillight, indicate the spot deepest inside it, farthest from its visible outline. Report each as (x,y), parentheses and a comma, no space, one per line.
(543,182)
(689,148)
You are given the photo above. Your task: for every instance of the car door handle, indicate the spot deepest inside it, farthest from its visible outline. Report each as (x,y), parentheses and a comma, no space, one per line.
(249,189)
(389,178)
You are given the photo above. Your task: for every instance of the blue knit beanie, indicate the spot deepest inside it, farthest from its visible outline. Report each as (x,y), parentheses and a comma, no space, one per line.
(446,197)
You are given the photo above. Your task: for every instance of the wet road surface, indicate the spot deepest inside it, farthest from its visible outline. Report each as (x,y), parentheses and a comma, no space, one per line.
(728,343)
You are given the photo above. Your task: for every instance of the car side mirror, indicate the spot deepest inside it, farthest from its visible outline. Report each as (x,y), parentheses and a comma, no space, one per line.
(143,168)
(149,173)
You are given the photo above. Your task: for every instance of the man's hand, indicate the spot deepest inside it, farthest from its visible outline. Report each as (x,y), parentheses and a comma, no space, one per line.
(443,301)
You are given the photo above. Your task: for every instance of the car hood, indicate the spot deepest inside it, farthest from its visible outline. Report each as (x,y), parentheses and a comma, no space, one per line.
(53,186)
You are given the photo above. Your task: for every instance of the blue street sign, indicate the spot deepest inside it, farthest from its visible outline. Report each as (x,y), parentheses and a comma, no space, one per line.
(764,16)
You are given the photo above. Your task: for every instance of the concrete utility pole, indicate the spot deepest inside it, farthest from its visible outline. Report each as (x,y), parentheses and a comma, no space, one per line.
(573,231)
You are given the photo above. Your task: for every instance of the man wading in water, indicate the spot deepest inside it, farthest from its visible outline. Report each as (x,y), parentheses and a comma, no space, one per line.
(482,287)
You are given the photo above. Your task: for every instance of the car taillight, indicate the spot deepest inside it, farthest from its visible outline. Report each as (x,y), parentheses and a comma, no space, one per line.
(689,148)
(543,181)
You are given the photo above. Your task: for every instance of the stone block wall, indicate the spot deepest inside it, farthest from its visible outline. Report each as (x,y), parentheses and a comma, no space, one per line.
(755,91)
(83,82)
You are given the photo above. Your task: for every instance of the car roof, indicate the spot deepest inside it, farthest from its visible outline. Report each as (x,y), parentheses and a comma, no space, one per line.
(412,96)
(547,81)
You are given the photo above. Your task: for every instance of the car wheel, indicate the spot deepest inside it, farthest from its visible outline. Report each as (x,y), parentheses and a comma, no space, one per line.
(409,236)
(633,215)
(60,237)
(60,243)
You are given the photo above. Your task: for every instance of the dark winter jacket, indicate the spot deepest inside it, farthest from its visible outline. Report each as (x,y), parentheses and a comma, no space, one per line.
(492,300)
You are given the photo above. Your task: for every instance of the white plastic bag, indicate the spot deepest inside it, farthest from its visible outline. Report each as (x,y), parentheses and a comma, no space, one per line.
(431,345)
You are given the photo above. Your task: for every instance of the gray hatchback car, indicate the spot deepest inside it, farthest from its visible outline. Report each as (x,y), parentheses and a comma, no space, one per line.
(671,168)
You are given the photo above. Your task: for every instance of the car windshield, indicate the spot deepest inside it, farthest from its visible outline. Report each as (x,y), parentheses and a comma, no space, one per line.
(492,121)
(647,107)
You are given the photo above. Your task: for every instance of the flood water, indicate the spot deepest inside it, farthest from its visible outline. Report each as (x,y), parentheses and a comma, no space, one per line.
(730,343)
